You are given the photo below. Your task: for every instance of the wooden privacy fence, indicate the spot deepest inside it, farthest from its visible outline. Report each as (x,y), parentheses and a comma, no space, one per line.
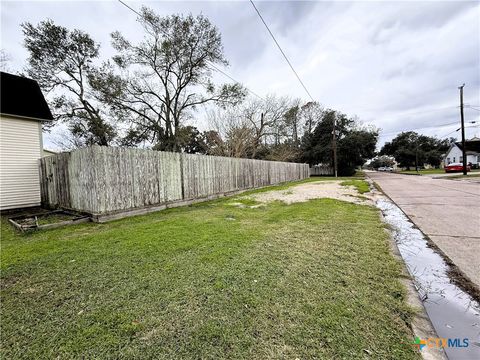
(103,180)
(321,170)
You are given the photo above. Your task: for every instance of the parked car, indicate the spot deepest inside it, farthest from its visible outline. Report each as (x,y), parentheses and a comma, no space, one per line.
(385,168)
(455,167)
(381,168)
(388,168)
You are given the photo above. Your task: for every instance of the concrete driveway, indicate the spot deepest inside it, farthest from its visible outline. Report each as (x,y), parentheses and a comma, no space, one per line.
(448,211)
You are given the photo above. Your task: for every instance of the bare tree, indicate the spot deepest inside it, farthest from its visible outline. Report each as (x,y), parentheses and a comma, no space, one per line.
(239,141)
(258,123)
(157,83)
(266,118)
(5,58)
(235,131)
(283,152)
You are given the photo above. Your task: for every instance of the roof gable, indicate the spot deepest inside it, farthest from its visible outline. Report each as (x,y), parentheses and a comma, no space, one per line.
(472,145)
(452,147)
(22,97)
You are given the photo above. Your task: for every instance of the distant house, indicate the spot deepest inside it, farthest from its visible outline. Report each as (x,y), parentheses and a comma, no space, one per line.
(22,111)
(472,149)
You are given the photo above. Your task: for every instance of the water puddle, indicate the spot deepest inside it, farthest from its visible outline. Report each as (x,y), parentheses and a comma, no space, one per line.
(453,313)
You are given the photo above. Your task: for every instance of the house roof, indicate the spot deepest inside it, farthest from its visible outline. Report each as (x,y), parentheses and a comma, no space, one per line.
(22,97)
(472,145)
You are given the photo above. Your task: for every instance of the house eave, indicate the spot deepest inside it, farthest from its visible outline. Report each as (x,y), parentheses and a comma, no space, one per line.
(21,117)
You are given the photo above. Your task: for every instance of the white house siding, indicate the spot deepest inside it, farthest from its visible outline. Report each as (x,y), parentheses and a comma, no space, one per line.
(473,159)
(20,149)
(455,156)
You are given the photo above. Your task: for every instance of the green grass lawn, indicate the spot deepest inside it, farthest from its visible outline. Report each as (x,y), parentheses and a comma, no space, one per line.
(461,176)
(308,280)
(361,185)
(434,171)
(424,171)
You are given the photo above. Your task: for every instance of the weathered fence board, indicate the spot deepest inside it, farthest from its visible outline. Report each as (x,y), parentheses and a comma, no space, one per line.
(103,180)
(55,190)
(321,170)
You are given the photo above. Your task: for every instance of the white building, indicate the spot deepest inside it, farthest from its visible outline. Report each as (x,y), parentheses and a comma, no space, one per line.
(22,111)
(454,154)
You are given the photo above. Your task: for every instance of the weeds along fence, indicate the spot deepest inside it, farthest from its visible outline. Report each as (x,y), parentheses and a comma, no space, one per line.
(106,180)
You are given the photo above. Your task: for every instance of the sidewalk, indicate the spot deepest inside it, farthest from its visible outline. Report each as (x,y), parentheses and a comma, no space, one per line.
(447,211)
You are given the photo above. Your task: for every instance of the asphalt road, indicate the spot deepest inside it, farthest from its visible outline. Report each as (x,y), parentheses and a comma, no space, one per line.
(448,211)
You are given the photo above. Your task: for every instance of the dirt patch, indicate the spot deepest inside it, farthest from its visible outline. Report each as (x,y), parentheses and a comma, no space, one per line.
(313,190)
(46,219)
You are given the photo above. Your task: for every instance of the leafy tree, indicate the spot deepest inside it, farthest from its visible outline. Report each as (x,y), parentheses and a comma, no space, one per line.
(157,83)
(355,148)
(354,144)
(380,161)
(62,63)
(310,114)
(190,140)
(411,149)
(214,145)
(317,147)
(292,121)
(433,157)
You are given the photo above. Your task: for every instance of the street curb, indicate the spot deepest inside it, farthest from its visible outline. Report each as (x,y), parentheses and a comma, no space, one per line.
(421,325)
(456,275)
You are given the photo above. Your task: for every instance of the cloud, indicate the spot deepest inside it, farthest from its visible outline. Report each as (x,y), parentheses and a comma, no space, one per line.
(284,16)
(395,64)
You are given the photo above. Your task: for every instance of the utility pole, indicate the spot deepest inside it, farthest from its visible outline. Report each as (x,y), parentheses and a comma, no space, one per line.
(416,155)
(334,144)
(464,155)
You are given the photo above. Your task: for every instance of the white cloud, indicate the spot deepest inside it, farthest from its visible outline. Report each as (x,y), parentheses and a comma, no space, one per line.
(394,64)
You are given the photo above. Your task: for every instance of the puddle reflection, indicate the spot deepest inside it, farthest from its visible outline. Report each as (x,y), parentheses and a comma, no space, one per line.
(452,312)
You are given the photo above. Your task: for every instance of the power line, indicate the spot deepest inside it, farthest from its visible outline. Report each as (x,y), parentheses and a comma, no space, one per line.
(428,127)
(209,62)
(420,128)
(130,8)
(430,110)
(451,132)
(280,48)
(231,78)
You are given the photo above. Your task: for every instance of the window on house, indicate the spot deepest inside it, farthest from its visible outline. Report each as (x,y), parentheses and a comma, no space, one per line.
(448,161)
(461,159)
(454,159)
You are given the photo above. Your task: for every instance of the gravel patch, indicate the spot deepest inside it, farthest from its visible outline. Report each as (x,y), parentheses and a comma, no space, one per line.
(313,190)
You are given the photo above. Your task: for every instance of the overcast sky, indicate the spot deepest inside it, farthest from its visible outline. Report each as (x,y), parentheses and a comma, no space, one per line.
(394,64)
